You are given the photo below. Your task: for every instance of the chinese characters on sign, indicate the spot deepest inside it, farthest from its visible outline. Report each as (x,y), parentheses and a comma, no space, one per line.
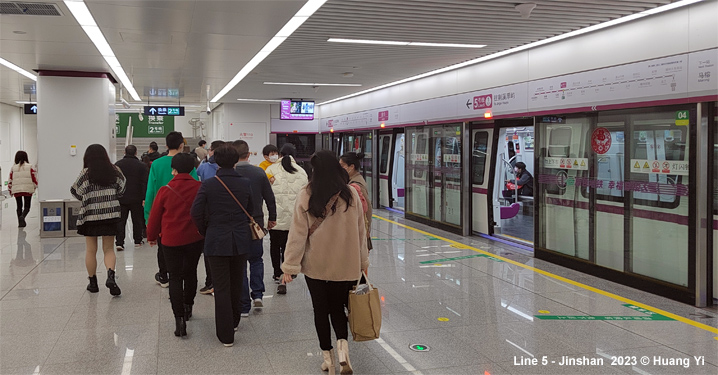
(601,140)
(562,181)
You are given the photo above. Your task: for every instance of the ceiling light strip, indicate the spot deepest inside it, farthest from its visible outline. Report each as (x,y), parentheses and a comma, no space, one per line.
(571,34)
(260,100)
(312,84)
(82,14)
(18,69)
(397,43)
(288,29)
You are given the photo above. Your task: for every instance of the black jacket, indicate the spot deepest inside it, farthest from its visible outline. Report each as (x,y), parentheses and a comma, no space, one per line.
(219,218)
(261,191)
(135,172)
(526,181)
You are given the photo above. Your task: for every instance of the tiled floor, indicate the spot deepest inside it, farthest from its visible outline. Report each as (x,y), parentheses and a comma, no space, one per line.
(476,315)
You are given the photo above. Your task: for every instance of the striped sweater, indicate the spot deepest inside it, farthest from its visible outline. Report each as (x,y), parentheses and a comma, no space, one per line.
(98,202)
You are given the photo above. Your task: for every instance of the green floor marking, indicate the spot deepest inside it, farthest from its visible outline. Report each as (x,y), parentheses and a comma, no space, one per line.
(649,316)
(459,258)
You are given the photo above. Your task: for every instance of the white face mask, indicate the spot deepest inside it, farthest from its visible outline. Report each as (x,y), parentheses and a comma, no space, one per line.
(274,158)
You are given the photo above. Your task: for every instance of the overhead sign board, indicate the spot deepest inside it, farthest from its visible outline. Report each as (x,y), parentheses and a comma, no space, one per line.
(149,127)
(31,109)
(164,111)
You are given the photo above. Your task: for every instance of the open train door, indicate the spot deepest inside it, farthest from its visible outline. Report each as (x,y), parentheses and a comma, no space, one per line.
(481,144)
(388,187)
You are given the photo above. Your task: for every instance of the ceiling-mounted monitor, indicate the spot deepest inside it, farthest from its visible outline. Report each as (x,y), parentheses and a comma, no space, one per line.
(297,110)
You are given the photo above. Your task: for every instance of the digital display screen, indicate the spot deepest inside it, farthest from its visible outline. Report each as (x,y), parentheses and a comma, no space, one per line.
(296,110)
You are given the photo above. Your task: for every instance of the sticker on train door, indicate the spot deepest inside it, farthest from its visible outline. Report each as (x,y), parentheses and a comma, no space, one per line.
(601,140)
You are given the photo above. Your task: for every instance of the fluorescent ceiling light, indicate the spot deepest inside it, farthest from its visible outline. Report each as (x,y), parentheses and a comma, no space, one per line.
(312,84)
(18,69)
(24,102)
(82,14)
(571,34)
(288,29)
(397,43)
(260,100)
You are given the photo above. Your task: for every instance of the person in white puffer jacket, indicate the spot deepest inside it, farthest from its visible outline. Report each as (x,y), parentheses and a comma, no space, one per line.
(22,184)
(289,180)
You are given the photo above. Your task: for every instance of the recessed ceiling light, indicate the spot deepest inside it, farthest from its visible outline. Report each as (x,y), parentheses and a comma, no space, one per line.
(19,32)
(18,69)
(397,43)
(312,84)
(260,100)
(524,47)
(82,14)
(288,29)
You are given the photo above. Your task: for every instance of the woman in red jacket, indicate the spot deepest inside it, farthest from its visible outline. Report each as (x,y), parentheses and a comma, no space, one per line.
(170,219)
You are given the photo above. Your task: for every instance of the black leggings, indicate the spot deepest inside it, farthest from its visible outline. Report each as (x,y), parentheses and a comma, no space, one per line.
(328,300)
(182,266)
(20,210)
(277,243)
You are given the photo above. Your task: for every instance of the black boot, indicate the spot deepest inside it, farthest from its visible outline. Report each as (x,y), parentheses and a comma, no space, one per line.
(21,221)
(187,312)
(180,326)
(110,283)
(92,286)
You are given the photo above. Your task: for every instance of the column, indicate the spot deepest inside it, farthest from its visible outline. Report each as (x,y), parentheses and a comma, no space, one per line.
(74,109)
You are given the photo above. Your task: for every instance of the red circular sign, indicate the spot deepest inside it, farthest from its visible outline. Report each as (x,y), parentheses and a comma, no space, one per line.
(601,140)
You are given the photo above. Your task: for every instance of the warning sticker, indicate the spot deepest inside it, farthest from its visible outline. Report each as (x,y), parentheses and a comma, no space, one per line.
(580,164)
(677,167)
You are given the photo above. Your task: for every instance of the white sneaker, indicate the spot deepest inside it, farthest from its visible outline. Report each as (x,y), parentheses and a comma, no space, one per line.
(258,303)
(120,248)
(244,315)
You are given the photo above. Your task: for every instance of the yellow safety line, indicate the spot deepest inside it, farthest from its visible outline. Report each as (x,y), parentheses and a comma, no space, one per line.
(557,277)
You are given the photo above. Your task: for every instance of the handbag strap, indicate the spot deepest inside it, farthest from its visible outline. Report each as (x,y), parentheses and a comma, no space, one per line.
(235,199)
(319,220)
(366,278)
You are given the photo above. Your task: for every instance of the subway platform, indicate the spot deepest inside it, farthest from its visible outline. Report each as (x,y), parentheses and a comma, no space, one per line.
(451,305)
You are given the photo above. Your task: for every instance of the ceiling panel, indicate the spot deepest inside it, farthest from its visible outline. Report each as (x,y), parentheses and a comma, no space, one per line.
(188,44)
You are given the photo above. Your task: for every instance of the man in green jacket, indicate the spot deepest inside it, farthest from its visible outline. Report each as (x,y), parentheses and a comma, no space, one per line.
(160,175)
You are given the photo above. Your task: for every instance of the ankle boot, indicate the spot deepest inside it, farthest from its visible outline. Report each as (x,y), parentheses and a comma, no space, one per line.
(110,283)
(187,312)
(92,286)
(180,326)
(329,364)
(21,221)
(343,349)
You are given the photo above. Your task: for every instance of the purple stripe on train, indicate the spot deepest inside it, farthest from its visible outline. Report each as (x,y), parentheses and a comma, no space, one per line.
(679,190)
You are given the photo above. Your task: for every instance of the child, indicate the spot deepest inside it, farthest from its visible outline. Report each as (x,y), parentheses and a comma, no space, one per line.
(170,219)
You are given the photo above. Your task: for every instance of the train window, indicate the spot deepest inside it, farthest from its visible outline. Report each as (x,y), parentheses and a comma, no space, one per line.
(304,143)
(478,155)
(385,147)
(560,142)
(421,140)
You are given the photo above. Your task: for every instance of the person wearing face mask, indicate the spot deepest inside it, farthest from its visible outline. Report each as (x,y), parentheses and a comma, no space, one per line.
(351,162)
(271,156)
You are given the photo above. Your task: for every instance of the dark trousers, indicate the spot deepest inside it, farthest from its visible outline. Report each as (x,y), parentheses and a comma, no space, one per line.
(23,211)
(328,300)
(277,243)
(161,258)
(256,275)
(182,264)
(138,222)
(208,271)
(227,281)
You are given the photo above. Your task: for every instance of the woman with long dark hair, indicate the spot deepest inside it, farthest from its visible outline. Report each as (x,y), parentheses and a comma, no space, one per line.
(99,187)
(327,243)
(289,179)
(21,185)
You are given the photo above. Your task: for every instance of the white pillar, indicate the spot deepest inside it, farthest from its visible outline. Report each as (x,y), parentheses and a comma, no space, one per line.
(74,108)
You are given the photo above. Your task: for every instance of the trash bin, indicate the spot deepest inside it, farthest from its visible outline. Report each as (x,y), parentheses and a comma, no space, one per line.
(51,223)
(72,211)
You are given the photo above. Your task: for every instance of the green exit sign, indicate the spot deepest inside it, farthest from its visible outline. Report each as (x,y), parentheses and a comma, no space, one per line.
(419,347)
(156,129)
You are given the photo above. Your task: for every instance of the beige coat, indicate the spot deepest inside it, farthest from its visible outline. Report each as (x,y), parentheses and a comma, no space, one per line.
(359,180)
(336,251)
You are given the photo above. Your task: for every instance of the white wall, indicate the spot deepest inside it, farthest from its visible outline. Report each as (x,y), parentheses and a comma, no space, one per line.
(249,122)
(75,111)
(687,29)
(11,139)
